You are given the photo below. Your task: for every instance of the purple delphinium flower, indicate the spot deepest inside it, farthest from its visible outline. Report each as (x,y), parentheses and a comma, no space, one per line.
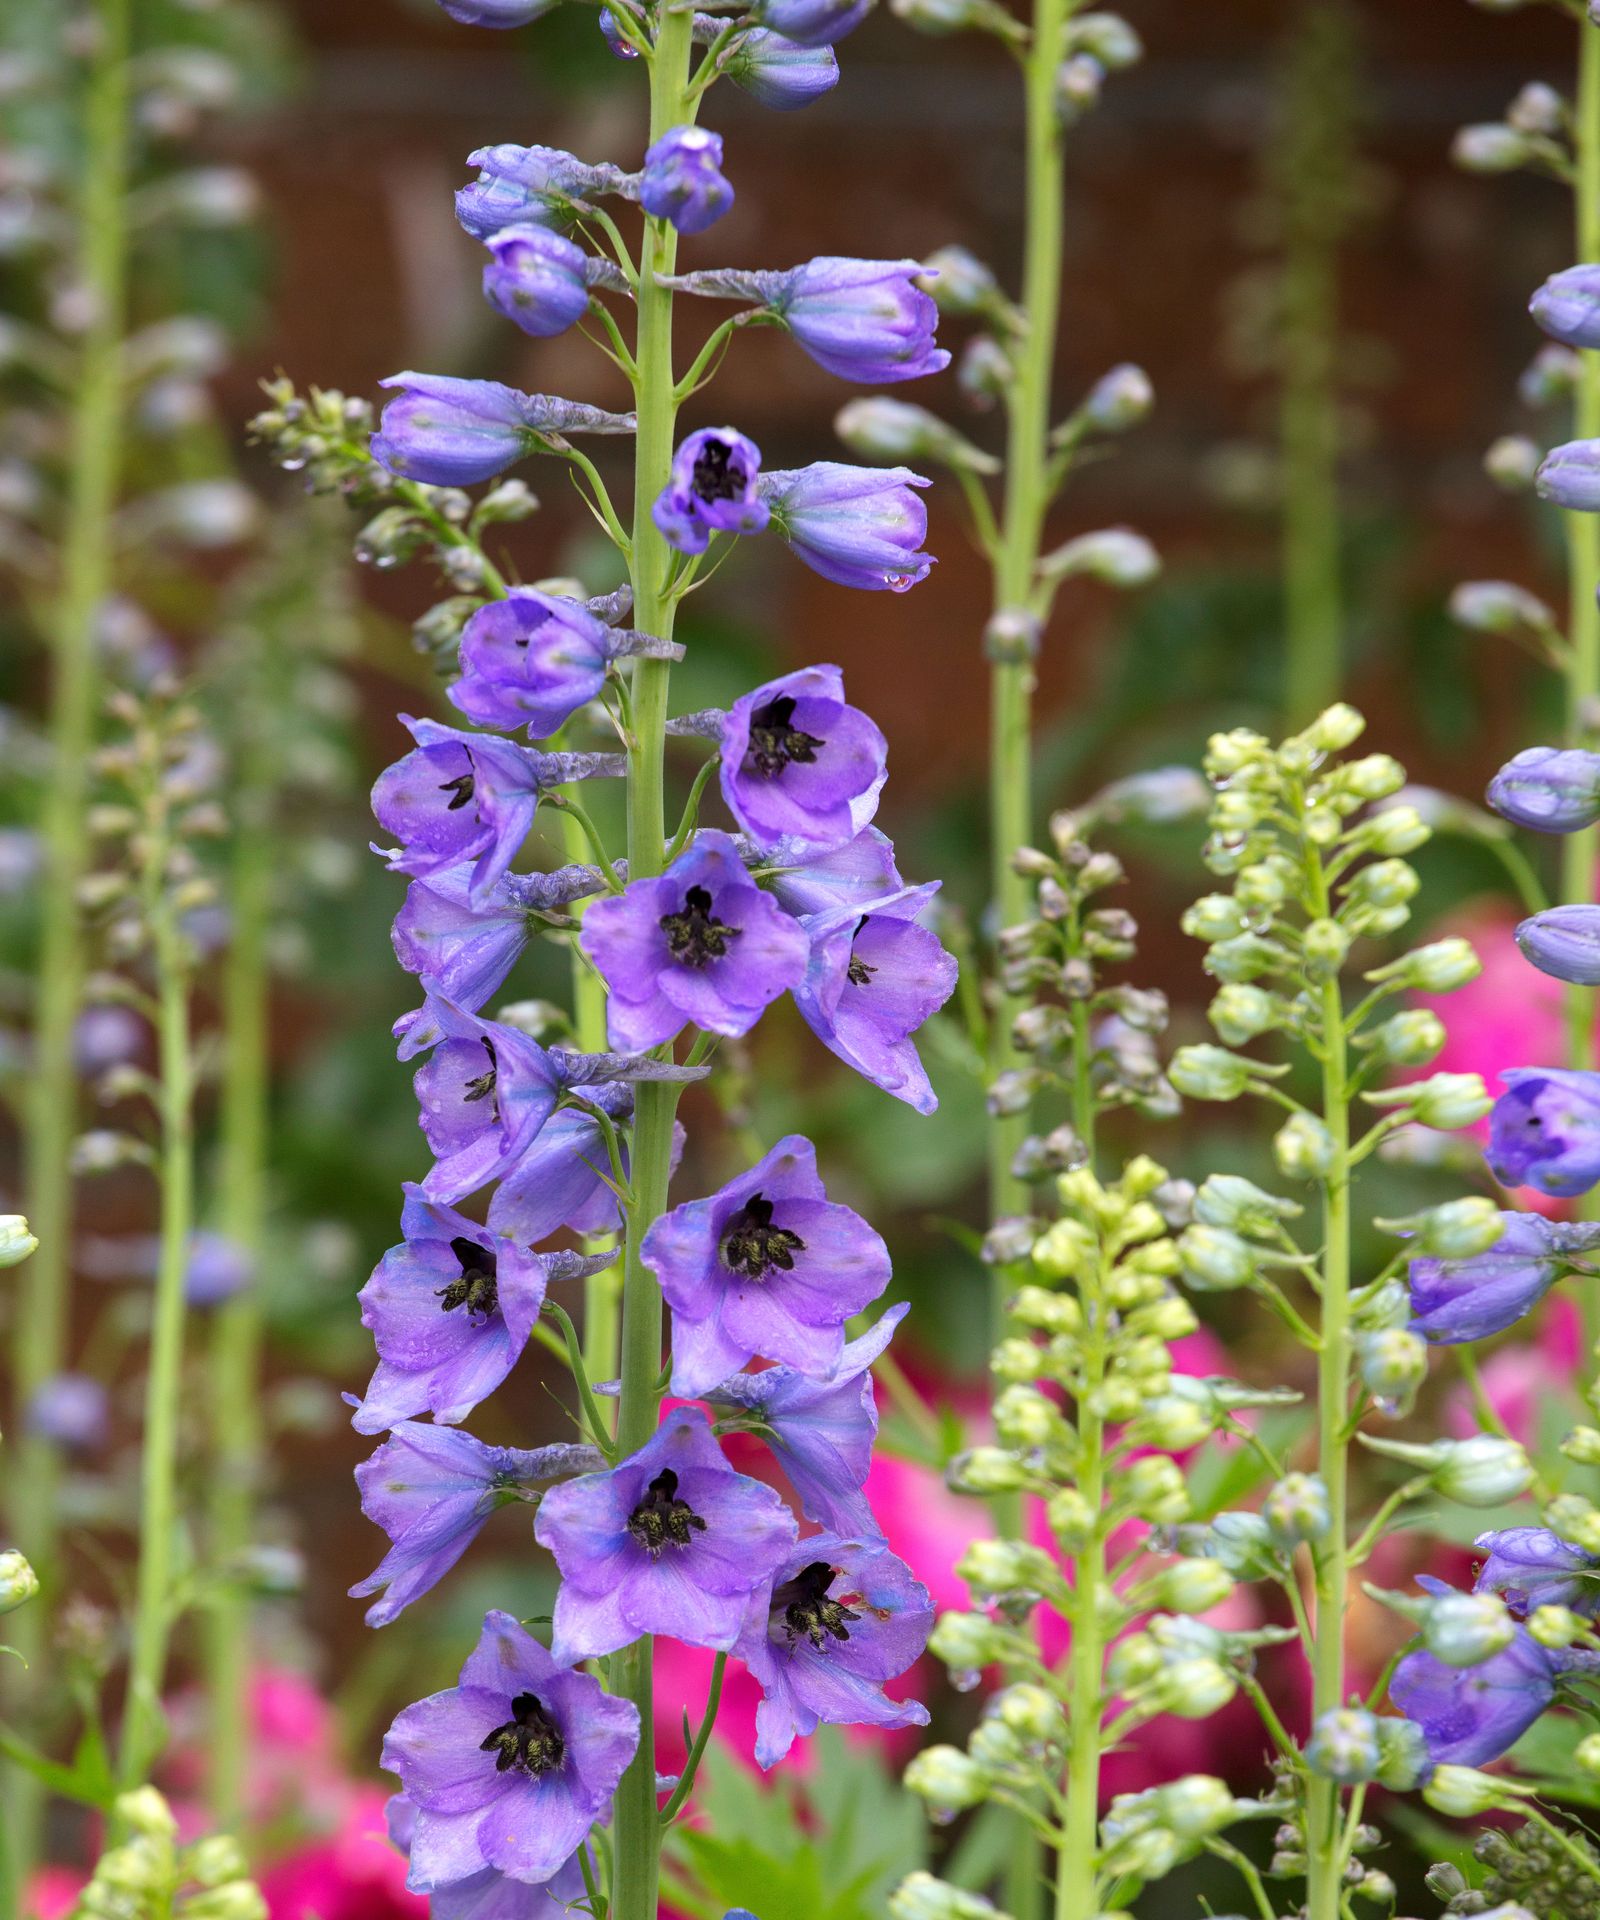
(470,797)
(1457,1300)
(431,1489)
(801,770)
(496,13)
(106,1037)
(453,433)
(1532,1567)
(857,526)
(863,320)
(530,186)
(670,1541)
(853,875)
(712,490)
(1471,1715)
(561,1181)
(1569,476)
(1563,942)
(1544,1131)
(511,1768)
(536,278)
(766,1268)
(873,977)
(821,1432)
(843,1617)
(683,180)
(219,1268)
(1567,306)
(463,950)
(1549,789)
(700,943)
(812,23)
(780,73)
(450,1310)
(72,1411)
(531,660)
(489,1894)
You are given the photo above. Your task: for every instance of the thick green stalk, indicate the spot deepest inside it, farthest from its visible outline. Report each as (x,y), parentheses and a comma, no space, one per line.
(44,1289)
(637,1834)
(158,1503)
(1580,851)
(237,1441)
(1075,1870)
(1325,1852)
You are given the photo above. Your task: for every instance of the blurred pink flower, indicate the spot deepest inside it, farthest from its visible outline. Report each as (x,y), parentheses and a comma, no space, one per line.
(53,1893)
(1518,1379)
(353,1874)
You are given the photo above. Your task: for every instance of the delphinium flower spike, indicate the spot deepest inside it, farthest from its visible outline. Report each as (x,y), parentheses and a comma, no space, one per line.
(679,937)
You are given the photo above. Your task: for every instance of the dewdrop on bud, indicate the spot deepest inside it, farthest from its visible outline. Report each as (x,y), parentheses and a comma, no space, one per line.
(1193,1586)
(1344,1746)
(948,1780)
(1119,399)
(1464,1792)
(1465,1629)
(16,1241)
(1303,1147)
(1296,1509)
(18,1582)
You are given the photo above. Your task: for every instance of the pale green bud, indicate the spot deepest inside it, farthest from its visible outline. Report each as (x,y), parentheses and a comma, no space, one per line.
(1071,1519)
(1586,1755)
(1208,1073)
(1575,1519)
(1408,1039)
(1174,1423)
(1147,1854)
(958,281)
(1374,776)
(1464,1792)
(1483,1471)
(1243,958)
(1244,1544)
(949,1780)
(1556,1627)
(16,1242)
(1215,917)
(1196,1805)
(237,1900)
(1465,1629)
(145,1811)
(1194,1688)
(1446,1101)
(1050,1312)
(1303,1147)
(966,1642)
(921,1897)
(995,1747)
(1064,1249)
(986,1470)
(1155,1490)
(1439,967)
(1005,1566)
(1402,1753)
(1458,1229)
(1260,888)
(1031,1712)
(1394,1364)
(1215,1260)
(1116,556)
(1023,1417)
(1344,1746)
(1016,1359)
(1241,1013)
(18,1582)
(1326,946)
(142,1867)
(1296,1509)
(1133,1662)
(1386,883)
(1229,1200)
(216,1859)
(1583,1445)
(897,430)
(1193,1586)
(1398,829)
(1331,732)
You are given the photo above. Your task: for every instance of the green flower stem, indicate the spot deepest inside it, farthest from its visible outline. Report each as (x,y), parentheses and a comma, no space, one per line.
(637,1832)
(237,1432)
(1076,1879)
(158,1502)
(1331,1555)
(95,458)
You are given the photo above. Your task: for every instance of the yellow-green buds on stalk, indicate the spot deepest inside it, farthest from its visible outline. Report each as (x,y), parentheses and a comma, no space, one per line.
(948,1781)
(921,1897)
(1481,1472)
(1192,1586)
(18,1582)
(1303,1147)
(1296,1509)
(16,1242)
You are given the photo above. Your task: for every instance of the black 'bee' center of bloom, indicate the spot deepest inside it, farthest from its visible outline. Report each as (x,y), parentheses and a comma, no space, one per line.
(530,1740)
(807,1611)
(478,1288)
(858,972)
(717,475)
(776,743)
(661,1519)
(460,790)
(753,1246)
(482,1085)
(693,937)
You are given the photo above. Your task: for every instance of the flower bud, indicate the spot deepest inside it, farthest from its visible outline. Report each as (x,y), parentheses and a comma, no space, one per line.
(1031,1712)
(1193,1688)
(217,1859)
(1071,1519)
(966,1642)
(1498,607)
(959,282)
(16,1242)
(1326,946)
(1549,789)
(1439,967)
(1133,1662)
(1296,1509)
(1115,555)
(921,1897)
(1410,1038)
(1243,1544)
(995,1747)
(1491,148)
(1396,830)
(1229,1200)
(1458,1229)
(1195,1585)
(1154,1489)
(1484,1471)
(1208,1073)
(984,371)
(1123,397)
(1344,1746)
(1563,942)
(1402,1753)
(1217,916)
(1569,476)
(1551,376)
(986,1470)
(885,429)
(1024,1418)
(1512,462)
(1586,1755)
(1556,1627)
(1567,306)
(949,1780)
(1077,87)
(145,1811)
(1064,1249)
(1196,1805)
(1444,1101)
(1303,1147)
(1005,1567)
(1394,1364)
(1215,1260)
(1241,1014)
(237,1900)
(18,1582)
(1105,37)
(1465,1629)
(1464,1792)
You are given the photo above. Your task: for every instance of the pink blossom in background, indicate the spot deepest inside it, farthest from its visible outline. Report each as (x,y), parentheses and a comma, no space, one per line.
(353,1874)
(1518,1379)
(53,1893)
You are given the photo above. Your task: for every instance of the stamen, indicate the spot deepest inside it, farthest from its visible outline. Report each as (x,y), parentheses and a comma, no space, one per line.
(717,475)
(806,1610)
(753,1246)
(661,1519)
(530,1740)
(478,1288)
(775,743)
(693,937)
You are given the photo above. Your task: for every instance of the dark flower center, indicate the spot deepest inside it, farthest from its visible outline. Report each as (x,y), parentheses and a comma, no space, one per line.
(478,1288)
(717,475)
(530,1740)
(693,937)
(753,1246)
(461,788)
(661,1519)
(482,1085)
(775,743)
(808,1612)
(858,973)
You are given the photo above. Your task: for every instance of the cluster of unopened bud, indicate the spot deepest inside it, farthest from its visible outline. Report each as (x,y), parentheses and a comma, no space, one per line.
(1145,1835)
(150,1876)
(1528,1873)
(1535,131)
